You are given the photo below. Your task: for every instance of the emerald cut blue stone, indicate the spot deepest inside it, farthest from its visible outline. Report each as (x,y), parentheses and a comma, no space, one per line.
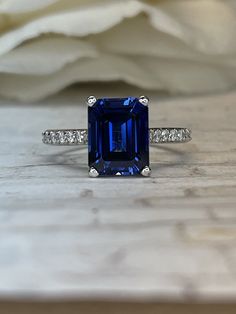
(118,137)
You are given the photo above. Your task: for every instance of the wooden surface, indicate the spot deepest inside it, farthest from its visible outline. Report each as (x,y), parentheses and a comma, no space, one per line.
(170,237)
(107,307)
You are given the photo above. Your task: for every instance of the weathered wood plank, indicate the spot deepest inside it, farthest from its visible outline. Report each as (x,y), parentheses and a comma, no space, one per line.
(171,236)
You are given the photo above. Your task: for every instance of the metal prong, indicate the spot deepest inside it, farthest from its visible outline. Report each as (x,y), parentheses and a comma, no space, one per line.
(93,172)
(144,100)
(91,101)
(146,172)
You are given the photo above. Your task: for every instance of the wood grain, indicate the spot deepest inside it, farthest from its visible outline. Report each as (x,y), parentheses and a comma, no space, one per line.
(169,237)
(113,308)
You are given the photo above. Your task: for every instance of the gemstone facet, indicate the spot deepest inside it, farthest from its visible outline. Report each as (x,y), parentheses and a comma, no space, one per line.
(118,136)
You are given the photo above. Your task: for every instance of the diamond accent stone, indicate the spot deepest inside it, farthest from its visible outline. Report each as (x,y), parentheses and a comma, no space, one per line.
(180,135)
(65,137)
(53,137)
(80,136)
(169,135)
(62,138)
(83,137)
(165,135)
(188,134)
(70,137)
(46,137)
(157,136)
(173,135)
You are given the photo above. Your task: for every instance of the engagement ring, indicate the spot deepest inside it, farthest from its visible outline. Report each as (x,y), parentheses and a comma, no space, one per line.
(118,136)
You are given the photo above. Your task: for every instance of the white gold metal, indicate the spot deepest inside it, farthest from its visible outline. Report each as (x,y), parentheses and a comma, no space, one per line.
(144,100)
(146,172)
(91,101)
(169,135)
(65,137)
(93,173)
(80,136)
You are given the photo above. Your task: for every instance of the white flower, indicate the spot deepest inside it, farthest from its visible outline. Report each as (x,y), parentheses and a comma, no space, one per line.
(176,46)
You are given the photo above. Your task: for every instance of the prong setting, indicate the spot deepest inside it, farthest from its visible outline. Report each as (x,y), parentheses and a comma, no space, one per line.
(144,100)
(93,173)
(146,172)
(91,101)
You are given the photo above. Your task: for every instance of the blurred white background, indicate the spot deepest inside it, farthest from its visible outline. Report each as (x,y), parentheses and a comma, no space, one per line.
(177,46)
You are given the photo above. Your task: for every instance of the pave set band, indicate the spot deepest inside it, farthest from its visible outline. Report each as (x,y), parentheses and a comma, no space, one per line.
(80,136)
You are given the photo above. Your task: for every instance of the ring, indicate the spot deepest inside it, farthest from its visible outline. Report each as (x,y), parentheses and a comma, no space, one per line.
(118,136)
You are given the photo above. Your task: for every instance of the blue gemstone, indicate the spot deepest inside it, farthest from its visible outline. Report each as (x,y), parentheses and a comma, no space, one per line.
(118,137)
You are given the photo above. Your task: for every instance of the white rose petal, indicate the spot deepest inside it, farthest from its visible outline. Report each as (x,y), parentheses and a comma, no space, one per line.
(176,46)
(153,73)
(85,21)
(45,56)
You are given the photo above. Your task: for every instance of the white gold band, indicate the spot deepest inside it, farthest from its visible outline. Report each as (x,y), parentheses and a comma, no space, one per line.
(80,136)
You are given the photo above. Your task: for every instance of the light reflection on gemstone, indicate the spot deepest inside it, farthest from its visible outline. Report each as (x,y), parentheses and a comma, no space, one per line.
(118,136)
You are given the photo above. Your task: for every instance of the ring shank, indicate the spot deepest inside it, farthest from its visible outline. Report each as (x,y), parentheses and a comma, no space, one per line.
(80,136)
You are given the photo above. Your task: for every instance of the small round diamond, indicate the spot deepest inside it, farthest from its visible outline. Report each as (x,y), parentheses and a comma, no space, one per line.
(84,136)
(46,137)
(164,135)
(81,136)
(151,135)
(157,136)
(173,135)
(78,136)
(187,134)
(180,135)
(69,137)
(53,137)
(61,137)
